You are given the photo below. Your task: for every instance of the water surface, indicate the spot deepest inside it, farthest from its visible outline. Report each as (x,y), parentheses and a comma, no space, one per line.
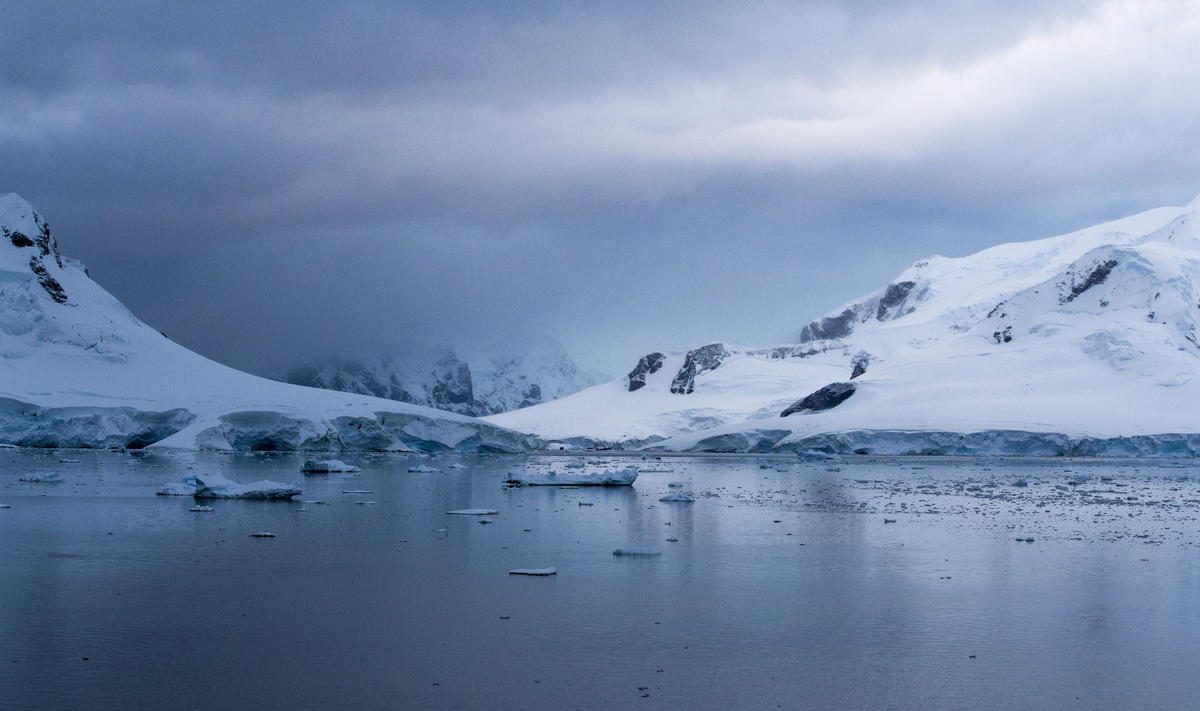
(864,583)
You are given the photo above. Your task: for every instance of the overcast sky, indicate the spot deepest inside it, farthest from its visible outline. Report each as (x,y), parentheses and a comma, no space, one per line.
(266,181)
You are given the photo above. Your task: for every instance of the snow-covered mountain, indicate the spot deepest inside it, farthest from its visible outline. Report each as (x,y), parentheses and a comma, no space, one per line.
(77,369)
(490,381)
(1085,343)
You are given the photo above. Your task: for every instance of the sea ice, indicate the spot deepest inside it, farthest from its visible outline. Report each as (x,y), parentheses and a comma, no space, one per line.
(620,477)
(48,478)
(423,469)
(201,509)
(679,497)
(215,486)
(326,466)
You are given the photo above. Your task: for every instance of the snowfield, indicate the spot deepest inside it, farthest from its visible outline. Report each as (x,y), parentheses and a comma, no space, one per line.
(1082,344)
(77,369)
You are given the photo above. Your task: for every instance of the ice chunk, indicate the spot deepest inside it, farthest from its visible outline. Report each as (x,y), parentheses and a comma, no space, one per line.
(201,509)
(474,512)
(620,477)
(5,506)
(676,485)
(679,497)
(326,466)
(357,491)
(215,486)
(533,571)
(636,551)
(47,478)
(187,487)
(262,534)
(575,464)
(423,469)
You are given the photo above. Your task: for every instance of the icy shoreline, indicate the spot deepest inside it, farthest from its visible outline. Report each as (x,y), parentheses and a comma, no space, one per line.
(1008,443)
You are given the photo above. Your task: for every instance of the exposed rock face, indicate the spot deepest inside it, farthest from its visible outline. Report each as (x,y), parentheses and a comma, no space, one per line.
(647,365)
(890,305)
(827,397)
(829,327)
(697,361)
(49,283)
(42,242)
(1096,276)
(859,363)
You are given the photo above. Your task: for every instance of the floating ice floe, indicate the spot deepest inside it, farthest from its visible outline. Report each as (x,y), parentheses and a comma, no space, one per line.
(608,477)
(679,497)
(48,478)
(201,509)
(5,506)
(474,512)
(262,534)
(69,461)
(215,486)
(423,469)
(357,491)
(533,571)
(327,466)
(675,485)
(576,464)
(636,551)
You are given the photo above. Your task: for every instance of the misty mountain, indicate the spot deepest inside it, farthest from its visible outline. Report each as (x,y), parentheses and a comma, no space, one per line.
(481,384)
(1086,343)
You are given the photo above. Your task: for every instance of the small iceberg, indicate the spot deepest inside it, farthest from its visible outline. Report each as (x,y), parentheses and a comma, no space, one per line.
(215,486)
(327,466)
(636,551)
(262,534)
(201,509)
(679,497)
(423,469)
(473,512)
(608,477)
(533,571)
(47,478)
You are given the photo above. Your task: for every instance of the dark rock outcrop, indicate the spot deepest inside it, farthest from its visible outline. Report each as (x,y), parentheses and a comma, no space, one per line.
(890,305)
(698,360)
(646,365)
(1096,276)
(827,397)
(859,363)
(49,283)
(19,239)
(829,327)
(1003,335)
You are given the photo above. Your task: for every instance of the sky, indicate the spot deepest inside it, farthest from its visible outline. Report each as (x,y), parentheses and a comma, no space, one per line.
(267,182)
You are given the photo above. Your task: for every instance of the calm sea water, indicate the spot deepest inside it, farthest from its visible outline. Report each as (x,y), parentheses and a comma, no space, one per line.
(787,585)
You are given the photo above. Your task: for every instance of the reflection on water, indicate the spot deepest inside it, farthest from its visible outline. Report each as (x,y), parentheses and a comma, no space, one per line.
(783,586)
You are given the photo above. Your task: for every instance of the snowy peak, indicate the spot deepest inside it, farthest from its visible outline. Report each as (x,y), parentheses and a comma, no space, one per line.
(1094,334)
(77,369)
(27,244)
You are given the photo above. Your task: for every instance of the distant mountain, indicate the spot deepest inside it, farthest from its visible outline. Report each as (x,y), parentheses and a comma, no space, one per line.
(77,369)
(498,381)
(1085,343)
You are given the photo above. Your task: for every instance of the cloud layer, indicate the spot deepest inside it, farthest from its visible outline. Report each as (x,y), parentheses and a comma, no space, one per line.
(266,180)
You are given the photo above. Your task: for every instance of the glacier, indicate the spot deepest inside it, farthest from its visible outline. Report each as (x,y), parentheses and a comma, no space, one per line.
(77,369)
(1084,344)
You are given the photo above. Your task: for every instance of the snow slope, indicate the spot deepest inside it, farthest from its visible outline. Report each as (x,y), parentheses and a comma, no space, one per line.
(77,369)
(1084,343)
(495,379)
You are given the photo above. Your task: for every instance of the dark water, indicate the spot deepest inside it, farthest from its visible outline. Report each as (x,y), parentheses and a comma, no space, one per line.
(785,588)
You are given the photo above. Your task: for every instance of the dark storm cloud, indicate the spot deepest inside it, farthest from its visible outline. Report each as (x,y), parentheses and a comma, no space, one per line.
(268,180)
